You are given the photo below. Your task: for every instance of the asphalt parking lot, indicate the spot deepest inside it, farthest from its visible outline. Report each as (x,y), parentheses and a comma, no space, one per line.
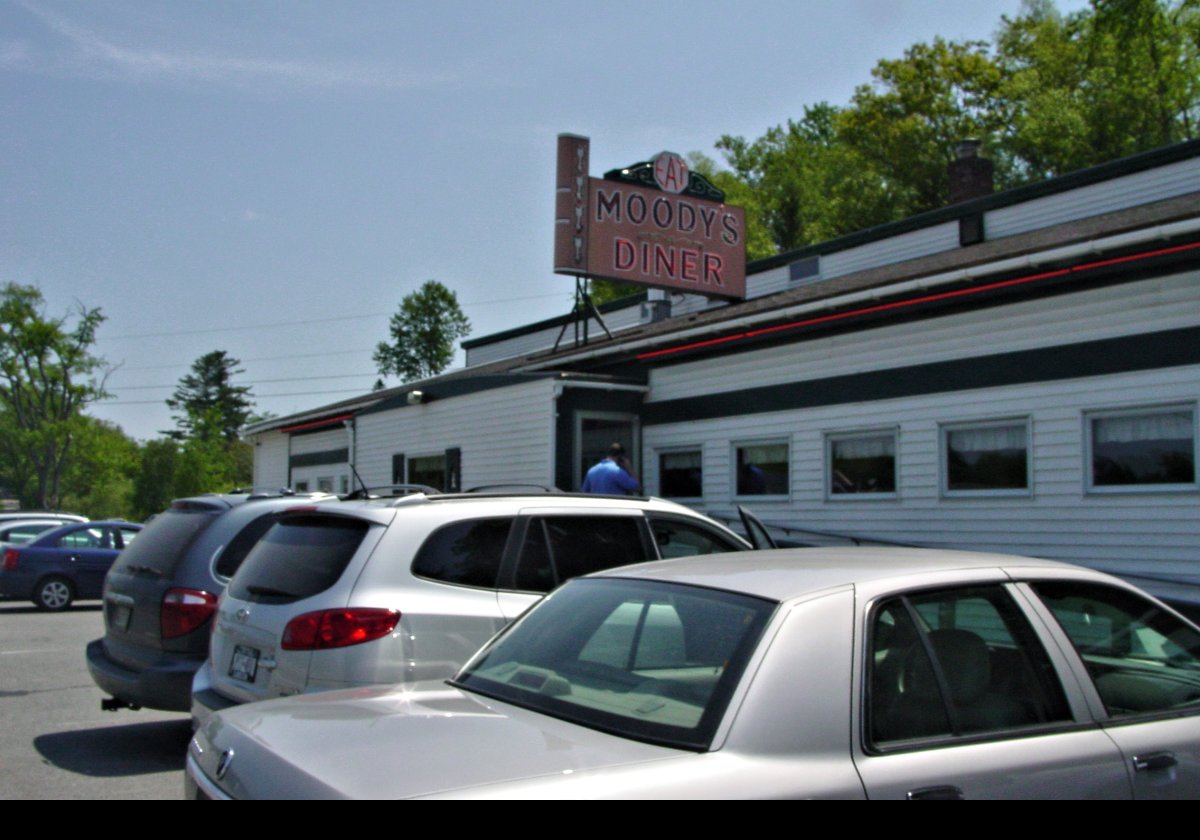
(55,742)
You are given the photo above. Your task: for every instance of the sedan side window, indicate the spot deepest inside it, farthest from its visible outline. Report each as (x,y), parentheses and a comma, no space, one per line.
(957,663)
(86,538)
(1140,658)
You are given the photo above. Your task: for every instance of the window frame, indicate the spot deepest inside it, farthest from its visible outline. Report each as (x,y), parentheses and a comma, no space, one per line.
(1089,475)
(408,468)
(680,450)
(736,445)
(832,438)
(1056,668)
(944,432)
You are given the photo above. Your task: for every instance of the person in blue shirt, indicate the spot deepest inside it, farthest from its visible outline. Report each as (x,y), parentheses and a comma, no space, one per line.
(612,476)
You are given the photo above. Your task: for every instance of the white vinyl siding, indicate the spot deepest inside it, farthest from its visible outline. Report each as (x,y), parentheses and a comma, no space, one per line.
(270,460)
(505,435)
(335,438)
(1144,187)
(1127,309)
(1153,534)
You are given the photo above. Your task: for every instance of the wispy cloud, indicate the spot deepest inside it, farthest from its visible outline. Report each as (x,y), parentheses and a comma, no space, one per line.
(86,53)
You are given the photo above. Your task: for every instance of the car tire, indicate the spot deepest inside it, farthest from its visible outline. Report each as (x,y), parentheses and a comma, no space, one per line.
(54,594)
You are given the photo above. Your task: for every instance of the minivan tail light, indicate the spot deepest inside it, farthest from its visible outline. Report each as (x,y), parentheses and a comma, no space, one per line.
(338,628)
(183,610)
(10,558)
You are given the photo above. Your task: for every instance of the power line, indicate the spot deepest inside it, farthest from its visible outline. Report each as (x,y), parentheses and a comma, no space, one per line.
(306,321)
(258,359)
(257,397)
(253,382)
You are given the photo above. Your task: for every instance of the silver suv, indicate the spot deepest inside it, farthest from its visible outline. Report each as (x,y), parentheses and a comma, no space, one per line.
(396,591)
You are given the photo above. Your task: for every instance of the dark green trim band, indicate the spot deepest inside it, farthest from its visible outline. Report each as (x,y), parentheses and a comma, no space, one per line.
(316,459)
(1169,348)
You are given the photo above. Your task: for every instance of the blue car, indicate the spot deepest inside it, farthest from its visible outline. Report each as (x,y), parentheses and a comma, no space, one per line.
(64,564)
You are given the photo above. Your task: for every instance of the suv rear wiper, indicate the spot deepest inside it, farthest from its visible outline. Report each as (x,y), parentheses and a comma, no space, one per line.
(270,591)
(149,570)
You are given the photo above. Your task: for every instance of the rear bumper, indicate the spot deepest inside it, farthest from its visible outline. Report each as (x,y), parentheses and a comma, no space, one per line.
(206,701)
(166,684)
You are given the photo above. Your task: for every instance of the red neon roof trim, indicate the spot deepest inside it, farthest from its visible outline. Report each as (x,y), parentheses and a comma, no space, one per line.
(902,304)
(328,421)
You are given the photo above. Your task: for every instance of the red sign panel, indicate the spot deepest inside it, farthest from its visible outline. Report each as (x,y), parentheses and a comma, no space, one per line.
(634,234)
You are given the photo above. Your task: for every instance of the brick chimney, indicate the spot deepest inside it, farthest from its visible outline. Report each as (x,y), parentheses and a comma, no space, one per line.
(970,175)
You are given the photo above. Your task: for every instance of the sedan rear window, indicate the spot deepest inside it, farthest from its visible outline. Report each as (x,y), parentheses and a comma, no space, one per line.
(645,660)
(299,557)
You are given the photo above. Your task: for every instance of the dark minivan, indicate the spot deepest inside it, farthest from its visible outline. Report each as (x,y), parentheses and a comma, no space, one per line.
(160,596)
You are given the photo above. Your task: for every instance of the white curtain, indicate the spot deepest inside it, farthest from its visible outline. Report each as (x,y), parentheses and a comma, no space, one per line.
(1168,425)
(987,439)
(877,446)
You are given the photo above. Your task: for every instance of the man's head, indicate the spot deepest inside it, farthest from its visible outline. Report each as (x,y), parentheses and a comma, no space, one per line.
(616,451)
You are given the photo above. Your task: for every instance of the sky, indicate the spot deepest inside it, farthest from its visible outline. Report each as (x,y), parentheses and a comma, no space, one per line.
(271,178)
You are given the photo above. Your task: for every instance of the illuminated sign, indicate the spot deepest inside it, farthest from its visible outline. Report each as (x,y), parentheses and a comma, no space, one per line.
(654,224)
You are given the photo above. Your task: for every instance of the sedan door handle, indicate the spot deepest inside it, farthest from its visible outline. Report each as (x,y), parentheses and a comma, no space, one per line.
(936,793)
(1155,761)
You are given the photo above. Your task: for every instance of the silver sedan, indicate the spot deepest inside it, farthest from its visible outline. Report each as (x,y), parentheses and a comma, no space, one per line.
(876,673)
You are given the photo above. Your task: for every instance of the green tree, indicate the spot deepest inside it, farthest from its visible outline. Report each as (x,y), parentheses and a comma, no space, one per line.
(1053,94)
(154,484)
(1106,82)
(100,475)
(808,183)
(48,375)
(907,124)
(424,331)
(208,401)
(207,462)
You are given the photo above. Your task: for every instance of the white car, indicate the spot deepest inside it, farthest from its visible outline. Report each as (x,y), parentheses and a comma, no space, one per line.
(348,594)
(859,673)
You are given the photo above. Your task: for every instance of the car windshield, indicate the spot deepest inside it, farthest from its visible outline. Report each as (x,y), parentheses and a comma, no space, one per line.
(645,660)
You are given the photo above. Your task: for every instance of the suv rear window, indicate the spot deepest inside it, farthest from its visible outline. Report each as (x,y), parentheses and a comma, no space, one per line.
(298,558)
(233,555)
(162,543)
(466,553)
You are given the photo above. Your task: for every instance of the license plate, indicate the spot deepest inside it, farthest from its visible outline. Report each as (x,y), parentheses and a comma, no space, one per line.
(121,615)
(245,663)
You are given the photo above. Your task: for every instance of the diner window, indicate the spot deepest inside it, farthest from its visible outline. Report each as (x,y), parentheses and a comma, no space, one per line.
(986,458)
(429,470)
(762,469)
(680,474)
(1142,449)
(861,464)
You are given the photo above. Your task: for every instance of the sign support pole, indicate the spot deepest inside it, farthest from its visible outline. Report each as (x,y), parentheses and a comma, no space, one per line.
(583,311)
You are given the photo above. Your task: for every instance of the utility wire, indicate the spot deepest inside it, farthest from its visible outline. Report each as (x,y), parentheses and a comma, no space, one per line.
(306,321)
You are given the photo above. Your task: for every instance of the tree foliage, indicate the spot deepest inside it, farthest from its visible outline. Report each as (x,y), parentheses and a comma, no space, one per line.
(1052,94)
(423,334)
(208,402)
(48,375)
(100,477)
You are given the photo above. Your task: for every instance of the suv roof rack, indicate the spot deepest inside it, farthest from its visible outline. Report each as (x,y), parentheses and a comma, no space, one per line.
(514,487)
(393,490)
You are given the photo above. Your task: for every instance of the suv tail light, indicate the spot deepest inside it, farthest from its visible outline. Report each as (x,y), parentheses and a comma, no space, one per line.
(338,628)
(183,610)
(10,558)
